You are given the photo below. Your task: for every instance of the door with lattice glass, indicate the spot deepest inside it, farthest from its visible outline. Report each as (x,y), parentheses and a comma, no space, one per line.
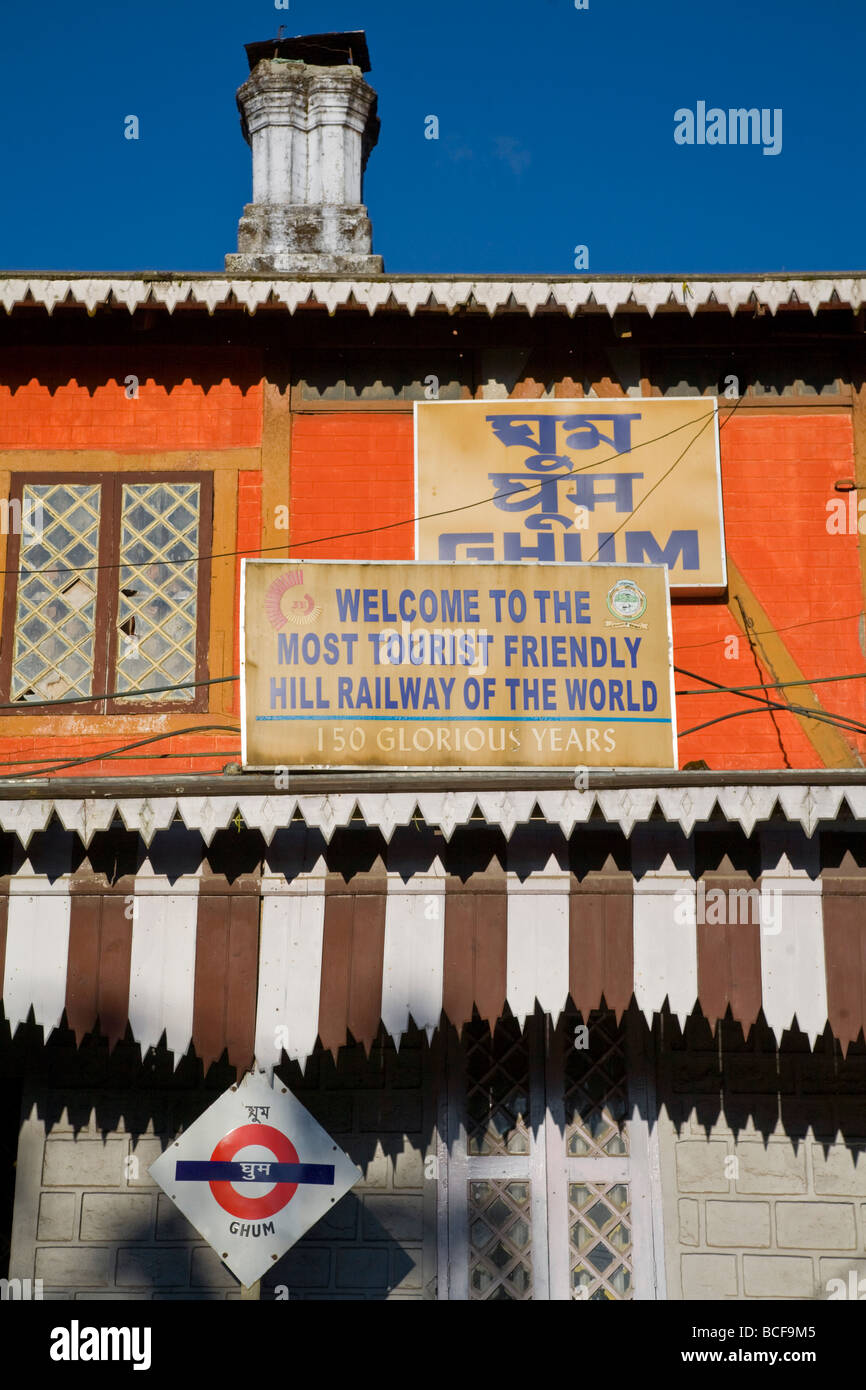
(546,1164)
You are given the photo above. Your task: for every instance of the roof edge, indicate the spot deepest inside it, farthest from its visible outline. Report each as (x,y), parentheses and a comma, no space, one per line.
(347,783)
(493,294)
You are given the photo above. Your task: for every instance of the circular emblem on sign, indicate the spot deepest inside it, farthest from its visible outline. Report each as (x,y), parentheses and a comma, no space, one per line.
(298,608)
(254,1208)
(625,600)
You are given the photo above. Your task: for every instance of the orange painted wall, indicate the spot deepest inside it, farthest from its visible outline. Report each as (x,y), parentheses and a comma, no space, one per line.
(351,473)
(184,404)
(26,756)
(248,543)
(777,477)
(50,407)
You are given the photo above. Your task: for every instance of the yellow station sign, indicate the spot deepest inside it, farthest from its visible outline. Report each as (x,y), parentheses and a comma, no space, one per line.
(352,664)
(632,480)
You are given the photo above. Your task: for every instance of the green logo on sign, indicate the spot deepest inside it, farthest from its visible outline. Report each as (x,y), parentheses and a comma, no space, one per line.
(625,600)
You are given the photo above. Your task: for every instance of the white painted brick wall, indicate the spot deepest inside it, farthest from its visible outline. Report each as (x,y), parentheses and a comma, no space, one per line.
(92,1224)
(785,1218)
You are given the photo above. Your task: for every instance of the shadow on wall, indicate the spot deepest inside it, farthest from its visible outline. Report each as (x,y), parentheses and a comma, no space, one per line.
(336,359)
(216,367)
(381,1105)
(106,1232)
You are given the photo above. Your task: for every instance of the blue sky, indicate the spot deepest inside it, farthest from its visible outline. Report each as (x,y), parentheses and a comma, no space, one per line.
(555,130)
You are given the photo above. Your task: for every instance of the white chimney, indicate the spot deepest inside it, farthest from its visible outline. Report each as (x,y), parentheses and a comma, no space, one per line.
(310,119)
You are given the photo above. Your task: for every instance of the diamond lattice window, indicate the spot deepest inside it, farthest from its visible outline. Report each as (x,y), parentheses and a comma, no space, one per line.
(500,1241)
(497,1089)
(599,1218)
(55,608)
(596,1091)
(110,590)
(157,603)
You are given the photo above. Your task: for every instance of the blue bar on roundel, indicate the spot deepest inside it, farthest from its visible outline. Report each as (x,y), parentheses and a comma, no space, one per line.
(206,1170)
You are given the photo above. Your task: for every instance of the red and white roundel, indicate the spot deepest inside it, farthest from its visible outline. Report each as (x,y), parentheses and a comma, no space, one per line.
(249,1214)
(254,1208)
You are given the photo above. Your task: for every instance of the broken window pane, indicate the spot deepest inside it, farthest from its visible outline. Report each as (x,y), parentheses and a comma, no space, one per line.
(158,587)
(55,611)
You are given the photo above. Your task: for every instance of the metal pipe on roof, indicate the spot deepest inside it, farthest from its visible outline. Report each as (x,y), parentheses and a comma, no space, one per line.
(328,783)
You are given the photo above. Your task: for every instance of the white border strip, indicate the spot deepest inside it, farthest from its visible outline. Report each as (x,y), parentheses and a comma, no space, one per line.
(570,294)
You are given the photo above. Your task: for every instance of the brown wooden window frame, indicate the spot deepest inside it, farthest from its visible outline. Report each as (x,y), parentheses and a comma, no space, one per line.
(107,594)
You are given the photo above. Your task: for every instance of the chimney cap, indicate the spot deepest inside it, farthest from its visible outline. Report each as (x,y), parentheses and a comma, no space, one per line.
(323,50)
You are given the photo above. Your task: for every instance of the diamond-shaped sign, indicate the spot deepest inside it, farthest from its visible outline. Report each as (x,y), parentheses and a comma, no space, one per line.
(253,1174)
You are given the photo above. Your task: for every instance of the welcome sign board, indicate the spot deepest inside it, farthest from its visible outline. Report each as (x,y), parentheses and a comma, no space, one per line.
(631,479)
(354,664)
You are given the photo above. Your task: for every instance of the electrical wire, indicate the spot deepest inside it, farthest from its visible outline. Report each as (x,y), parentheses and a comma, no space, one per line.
(145,757)
(827,715)
(709,420)
(345,535)
(767,685)
(139,757)
(22,705)
(124,748)
(389,525)
(764,705)
(768,631)
(841,721)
